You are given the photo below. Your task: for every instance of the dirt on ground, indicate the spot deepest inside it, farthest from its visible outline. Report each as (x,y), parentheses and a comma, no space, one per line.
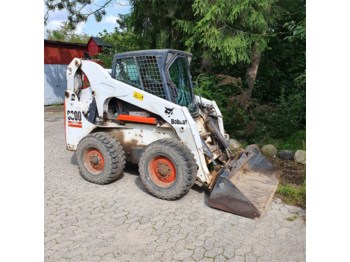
(291,171)
(291,185)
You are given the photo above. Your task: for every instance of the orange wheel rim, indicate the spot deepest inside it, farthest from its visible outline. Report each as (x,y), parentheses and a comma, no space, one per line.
(94,161)
(162,171)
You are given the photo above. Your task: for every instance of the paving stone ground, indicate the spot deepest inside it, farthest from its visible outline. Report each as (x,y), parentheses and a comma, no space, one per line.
(122,222)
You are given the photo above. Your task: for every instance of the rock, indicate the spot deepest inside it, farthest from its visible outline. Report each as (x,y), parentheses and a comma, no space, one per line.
(286,154)
(253,148)
(269,150)
(234,145)
(300,156)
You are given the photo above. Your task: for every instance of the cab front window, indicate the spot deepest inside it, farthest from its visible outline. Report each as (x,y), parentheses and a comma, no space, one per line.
(180,83)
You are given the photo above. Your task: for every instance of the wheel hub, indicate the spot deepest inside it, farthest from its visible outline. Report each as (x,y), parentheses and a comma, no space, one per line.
(162,171)
(94,161)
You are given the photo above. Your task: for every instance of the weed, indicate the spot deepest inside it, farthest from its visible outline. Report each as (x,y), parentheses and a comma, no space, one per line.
(292,218)
(293,194)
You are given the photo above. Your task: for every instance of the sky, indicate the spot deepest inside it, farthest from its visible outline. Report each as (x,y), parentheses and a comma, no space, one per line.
(91,27)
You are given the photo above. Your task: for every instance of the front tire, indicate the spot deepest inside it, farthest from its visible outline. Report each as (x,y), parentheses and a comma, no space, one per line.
(167,169)
(101,158)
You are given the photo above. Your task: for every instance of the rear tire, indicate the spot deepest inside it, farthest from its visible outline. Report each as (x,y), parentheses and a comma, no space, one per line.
(101,158)
(167,169)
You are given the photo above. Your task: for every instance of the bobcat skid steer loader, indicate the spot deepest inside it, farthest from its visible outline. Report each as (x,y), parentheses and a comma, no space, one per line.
(144,111)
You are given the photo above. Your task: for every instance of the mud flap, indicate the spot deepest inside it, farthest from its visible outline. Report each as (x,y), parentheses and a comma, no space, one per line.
(245,186)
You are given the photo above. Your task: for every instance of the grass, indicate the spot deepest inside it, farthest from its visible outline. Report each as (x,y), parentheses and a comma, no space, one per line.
(293,194)
(294,142)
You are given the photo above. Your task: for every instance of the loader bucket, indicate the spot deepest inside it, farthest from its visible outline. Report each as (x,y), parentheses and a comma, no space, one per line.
(245,186)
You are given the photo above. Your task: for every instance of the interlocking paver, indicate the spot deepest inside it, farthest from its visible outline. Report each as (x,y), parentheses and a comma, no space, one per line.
(214,252)
(185,253)
(122,222)
(220,258)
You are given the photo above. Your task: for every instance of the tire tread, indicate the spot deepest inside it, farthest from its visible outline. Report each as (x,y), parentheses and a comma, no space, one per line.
(115,154)
(188,162)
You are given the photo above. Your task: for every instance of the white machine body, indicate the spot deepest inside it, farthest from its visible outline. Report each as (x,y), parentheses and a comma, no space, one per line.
(178,123)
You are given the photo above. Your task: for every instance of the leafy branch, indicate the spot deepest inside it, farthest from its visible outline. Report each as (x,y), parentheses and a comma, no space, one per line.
(79,10)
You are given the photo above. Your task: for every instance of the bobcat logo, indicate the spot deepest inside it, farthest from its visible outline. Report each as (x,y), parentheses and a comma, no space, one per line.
(169,111)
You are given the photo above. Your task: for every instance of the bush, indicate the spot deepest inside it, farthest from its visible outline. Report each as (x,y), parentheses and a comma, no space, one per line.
(281,123)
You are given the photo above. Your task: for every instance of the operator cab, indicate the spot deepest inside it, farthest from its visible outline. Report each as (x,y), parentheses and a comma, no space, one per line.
(162,72)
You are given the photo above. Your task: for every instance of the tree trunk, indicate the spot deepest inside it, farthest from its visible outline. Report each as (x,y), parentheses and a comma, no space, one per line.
(252,70)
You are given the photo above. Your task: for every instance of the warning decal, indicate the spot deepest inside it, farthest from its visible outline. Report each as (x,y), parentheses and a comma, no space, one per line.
(138,96)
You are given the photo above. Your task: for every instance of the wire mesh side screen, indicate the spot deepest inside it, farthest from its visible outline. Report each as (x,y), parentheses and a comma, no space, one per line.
(141,72)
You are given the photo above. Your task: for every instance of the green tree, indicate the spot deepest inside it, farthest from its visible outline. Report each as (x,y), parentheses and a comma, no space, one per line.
(79,10)
(153,21)
(276,108)
(149,25)
(231,32)
(282,78)
(123,39)
(65,33)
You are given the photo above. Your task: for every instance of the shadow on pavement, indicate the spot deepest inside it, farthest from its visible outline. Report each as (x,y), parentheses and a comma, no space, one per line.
(202,190)
(73,160)
(132,169)
(139,184)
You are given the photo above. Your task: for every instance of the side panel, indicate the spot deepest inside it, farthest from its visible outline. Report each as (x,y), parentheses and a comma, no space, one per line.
(76,125)
(135,137)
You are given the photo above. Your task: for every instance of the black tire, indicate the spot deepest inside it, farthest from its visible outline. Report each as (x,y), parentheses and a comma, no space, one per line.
(167,169)
(101,158)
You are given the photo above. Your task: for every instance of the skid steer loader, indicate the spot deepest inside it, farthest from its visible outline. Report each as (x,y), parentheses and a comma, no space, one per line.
(144,111)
